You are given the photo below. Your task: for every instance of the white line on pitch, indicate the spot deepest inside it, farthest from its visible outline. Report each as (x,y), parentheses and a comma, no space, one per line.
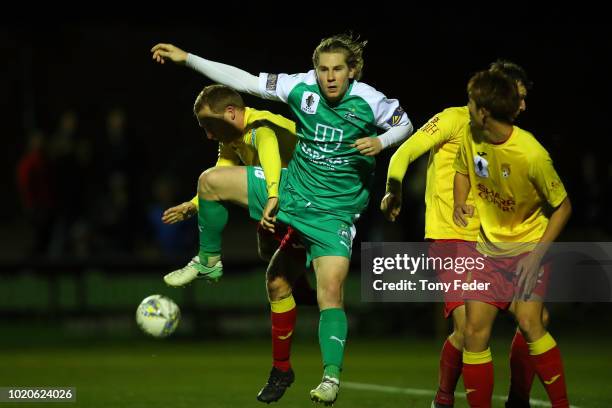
(424,393)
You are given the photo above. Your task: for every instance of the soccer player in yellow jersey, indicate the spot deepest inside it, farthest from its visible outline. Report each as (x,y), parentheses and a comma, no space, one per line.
(512,180)
(257,138)
(246,137)
(441,137)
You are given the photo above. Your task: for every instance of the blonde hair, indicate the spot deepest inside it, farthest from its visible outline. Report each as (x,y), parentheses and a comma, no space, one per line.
(217,98)
(347,43)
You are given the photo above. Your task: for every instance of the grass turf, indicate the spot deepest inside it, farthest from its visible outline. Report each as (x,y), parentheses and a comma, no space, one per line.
(177,373)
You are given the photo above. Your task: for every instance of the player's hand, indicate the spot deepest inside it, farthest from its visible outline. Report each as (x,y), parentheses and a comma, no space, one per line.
(269,214)
(179,213)
(368,146)
(461,213)
(163,52)
(528,271)
(391,205)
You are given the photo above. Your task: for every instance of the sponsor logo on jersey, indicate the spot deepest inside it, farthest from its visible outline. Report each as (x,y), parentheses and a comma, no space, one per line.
(505,170)
(271,82)
(329,139)
(395,119)
(481,166)
(431,127)
(492,196)
(555,184)
(310,102)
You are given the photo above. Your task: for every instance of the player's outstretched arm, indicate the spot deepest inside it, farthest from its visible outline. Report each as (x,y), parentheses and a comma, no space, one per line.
(179,213)
(410,150)
(228,75)
(168,52)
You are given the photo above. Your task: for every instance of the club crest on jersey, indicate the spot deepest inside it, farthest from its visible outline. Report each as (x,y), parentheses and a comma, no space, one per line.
(310,102)
(505,170)
(555,184)
(481,166)
(395,119)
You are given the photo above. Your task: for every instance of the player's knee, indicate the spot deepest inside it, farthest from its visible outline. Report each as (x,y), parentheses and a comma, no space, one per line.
(329,295)
(475,330)
(277,288)
(459,335)
(528,323)
(207,183)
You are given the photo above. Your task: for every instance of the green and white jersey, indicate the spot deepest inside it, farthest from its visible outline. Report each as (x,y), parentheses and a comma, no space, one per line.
(325,170)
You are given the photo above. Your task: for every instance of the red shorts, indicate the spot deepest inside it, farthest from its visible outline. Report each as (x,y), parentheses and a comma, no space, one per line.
(502,288)
(451,248)
(288,239)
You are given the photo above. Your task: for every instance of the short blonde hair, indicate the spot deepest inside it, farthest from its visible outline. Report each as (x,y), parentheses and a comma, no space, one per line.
(347,43)
(217,97)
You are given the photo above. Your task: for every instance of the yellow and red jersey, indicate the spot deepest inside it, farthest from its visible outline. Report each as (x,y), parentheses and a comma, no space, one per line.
(511,182)
(441,135)
(268,141)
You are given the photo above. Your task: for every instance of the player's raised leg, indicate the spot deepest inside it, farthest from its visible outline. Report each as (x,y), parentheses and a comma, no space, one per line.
(216,187)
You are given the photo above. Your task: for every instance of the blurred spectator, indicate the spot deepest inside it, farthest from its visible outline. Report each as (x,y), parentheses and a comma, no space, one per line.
(62,153)
(113,217)
(172,240)
(36,186)
(116,153)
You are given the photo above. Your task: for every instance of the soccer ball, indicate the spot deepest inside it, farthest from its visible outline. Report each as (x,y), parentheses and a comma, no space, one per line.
(158,316)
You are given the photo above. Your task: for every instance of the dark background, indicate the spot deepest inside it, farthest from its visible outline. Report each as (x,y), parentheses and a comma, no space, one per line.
(108,191)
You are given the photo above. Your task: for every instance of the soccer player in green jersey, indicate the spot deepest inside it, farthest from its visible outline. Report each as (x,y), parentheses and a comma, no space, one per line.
(328,180)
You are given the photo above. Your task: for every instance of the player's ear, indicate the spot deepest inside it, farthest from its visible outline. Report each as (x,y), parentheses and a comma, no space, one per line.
(352,73)
(484,112)
(231,111)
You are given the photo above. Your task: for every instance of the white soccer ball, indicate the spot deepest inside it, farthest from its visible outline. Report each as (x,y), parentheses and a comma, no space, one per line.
(158,316)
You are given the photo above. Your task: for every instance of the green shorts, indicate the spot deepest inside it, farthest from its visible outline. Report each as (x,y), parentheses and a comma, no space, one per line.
(322,233)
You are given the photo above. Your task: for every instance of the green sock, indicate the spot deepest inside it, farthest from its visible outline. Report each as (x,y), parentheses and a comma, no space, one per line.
(212,217)
(333,328)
